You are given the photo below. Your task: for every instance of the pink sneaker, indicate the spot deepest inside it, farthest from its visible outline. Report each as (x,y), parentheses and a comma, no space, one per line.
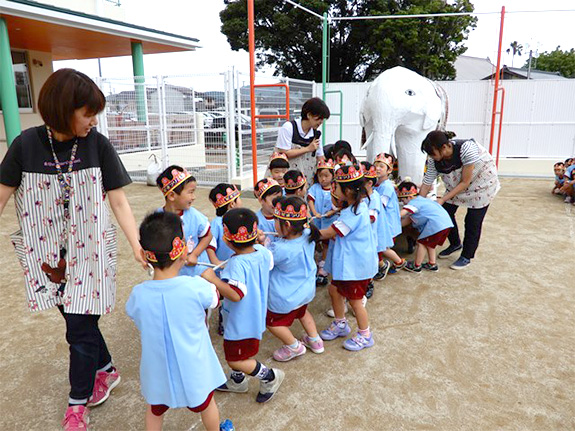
(103,385)
(314,346)
(76,419)
(286,353)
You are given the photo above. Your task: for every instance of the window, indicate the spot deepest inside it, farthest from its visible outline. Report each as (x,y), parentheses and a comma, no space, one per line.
(22,80)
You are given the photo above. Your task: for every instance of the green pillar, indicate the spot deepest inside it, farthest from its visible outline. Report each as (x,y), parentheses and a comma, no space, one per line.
(324,48)
(10,110)
(139,80)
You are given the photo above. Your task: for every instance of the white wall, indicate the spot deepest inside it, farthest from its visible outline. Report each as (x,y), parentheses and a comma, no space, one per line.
(538,115)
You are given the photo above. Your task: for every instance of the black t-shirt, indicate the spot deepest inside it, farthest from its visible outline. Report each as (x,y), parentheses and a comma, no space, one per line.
(30,152)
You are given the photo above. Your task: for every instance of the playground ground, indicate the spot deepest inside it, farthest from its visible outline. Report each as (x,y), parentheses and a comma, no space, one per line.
(488,348)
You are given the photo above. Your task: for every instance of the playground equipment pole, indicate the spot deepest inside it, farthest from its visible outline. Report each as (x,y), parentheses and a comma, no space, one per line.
(496,86)
(324,68)
(252,43)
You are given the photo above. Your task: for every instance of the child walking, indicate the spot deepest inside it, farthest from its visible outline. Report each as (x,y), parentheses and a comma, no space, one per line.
(248,274)
(295,184)
(353,261)
(179,189)
(430,219)
(292,280)
(223,197)
(320,204)
(383,166)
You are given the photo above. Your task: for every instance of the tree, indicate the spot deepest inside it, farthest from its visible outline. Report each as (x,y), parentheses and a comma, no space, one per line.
(516,48)
(557,61)
(289,39)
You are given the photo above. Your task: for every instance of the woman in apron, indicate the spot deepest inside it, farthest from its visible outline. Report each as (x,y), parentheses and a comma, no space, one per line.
(63,176)
(299,139)
(470,177)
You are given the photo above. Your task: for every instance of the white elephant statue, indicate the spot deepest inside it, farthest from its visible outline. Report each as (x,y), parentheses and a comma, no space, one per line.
(400,108)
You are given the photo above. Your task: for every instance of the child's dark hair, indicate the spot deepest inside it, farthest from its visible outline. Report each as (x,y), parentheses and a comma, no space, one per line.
(569,160)
(345,152)
(292,175)
(406,185)
(221,188)
(272,190)
(559,164)
(435,140)
(157,233)
(367,166)
(357,188)
(168,174)
(297,226)
(316,107)
(315,175)
(279,163)
(235,218)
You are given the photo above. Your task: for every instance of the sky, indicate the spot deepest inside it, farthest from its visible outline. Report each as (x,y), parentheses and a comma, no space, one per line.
(542,31)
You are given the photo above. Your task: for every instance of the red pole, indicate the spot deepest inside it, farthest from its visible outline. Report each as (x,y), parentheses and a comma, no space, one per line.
(496,87)
(252,44)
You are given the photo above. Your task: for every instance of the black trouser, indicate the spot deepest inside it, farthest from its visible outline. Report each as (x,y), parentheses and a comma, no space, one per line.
(88,352)
(473,221)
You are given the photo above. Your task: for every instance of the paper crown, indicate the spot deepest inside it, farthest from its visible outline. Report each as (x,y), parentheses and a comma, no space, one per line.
(325,164)
(293,185)
(178,247)
(404,192)
(264,185)
(278,155)
(369,173)
(290,213)
(178,177)
(352,174)
(242,235)
(381,157)
(232,193)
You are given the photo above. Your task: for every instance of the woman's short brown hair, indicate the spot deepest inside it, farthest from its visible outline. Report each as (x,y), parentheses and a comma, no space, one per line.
(65,91)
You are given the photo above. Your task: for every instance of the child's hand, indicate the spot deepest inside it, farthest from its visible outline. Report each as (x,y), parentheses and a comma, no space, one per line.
(210,275)
(318,215)
(191,260)
(261,239)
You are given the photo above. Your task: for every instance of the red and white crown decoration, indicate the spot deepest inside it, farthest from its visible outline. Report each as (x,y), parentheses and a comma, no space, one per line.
(178,247)
(369,173)
(404,192)
(325,164)
(293,185)
(278,155)
(388,160)
(232,193)
(178,177)
(264,185)
(290,213)
(352,174)
(243,235)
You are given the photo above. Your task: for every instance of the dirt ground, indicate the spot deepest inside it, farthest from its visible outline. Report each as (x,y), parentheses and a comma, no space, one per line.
(488,348)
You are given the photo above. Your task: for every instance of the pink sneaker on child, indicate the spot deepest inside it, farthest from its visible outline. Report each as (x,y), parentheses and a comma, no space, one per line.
(76,418)
(286,353)
(314,346)
(103,385)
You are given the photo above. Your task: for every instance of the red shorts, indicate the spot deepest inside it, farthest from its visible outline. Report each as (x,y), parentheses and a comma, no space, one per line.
(160,409)
(380,255)
(240,350)
(435,239)
(277,319)
(351,289)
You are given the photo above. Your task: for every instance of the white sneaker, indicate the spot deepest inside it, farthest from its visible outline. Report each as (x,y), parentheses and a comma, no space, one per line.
(330,313)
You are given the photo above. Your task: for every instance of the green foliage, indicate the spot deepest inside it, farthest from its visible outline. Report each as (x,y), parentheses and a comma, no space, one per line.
(289,39)
(555,61)
(516,48)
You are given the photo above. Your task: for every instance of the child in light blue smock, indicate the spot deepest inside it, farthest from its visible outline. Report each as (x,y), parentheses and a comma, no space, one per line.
(322,210)
(224,197)
(292,280)
(179,187)
(169,312)
(354,258)
(266,190)
(244,317)
(430,219)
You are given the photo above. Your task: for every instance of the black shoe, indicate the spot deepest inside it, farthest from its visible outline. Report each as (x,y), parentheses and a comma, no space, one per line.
(369,292)
(321,280)
(449,250)
(429,267)
(410,266)
(382,272)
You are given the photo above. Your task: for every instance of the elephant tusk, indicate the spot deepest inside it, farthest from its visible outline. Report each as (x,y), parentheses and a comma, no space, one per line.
(367,141)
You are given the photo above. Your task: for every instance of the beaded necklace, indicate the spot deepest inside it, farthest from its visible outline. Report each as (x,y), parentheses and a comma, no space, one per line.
(64,180)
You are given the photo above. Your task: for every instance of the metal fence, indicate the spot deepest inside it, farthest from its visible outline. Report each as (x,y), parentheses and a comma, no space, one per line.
(201,122)
(538,116)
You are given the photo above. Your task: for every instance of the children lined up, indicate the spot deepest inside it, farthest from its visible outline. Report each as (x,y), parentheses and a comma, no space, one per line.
(565,180)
